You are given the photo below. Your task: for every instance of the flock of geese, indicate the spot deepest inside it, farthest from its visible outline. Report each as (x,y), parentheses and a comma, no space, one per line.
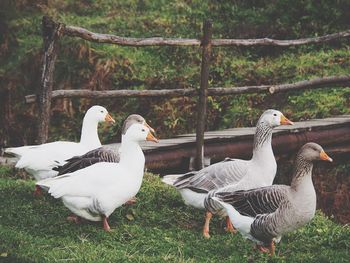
(93,181)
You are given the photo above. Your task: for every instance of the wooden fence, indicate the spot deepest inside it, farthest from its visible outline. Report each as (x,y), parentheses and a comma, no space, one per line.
(52,31)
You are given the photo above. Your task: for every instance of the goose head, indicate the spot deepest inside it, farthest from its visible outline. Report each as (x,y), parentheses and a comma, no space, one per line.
(274,118)
(312,152)
(132,119)
(139,132)
(99,114)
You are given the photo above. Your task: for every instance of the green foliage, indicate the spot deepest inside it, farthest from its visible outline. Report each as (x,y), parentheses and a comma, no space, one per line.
(85,65)
(158,228)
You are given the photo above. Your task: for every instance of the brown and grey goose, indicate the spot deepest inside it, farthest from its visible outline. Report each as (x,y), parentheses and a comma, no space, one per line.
(264,214)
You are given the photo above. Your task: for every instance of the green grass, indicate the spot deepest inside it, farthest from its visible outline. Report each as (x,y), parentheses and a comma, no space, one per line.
(158,228)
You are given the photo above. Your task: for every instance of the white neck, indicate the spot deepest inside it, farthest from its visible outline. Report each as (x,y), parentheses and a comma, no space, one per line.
(262,143)
(89,135)
(263,156)
(132,156)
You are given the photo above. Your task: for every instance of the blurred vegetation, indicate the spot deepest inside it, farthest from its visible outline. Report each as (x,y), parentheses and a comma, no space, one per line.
(84,65)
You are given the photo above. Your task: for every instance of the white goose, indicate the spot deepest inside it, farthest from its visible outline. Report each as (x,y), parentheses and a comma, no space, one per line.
(264,214)
(261,169)
(38,160)
(93,193)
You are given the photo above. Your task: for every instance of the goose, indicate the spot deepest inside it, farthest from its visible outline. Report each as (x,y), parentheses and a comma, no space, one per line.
(38,160)
(264,214)
(100,154)
(194,186)
(93,193)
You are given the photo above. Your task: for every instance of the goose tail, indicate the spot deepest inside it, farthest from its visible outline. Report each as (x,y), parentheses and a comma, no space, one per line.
(171,178)
(16,151)
(178,180)
(240,222)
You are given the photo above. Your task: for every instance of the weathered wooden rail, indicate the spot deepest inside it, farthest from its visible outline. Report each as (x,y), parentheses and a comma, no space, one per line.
(176,154)
(316,83)
(52,31)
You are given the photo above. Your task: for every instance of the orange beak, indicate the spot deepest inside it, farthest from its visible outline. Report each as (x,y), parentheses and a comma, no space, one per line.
(325,157)
(149,127)
(109,118)
(285,121)
(150,137)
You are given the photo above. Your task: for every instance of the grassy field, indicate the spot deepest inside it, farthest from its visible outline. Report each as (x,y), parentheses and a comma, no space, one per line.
(158,228)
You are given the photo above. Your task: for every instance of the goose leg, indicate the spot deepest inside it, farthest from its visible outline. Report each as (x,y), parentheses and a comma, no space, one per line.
(208,216)
(74,219)
(132,201)
(262,249)
(269,249)
(229,226)
(37,191)
(106,226)
(272,248)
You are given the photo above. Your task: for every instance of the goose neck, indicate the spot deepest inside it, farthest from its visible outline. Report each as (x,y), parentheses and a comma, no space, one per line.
(131,154)
(262,141)
(89,133)
(302,176)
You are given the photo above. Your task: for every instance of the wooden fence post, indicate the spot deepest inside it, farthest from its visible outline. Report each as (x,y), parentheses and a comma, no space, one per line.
(51,33)
(203,93)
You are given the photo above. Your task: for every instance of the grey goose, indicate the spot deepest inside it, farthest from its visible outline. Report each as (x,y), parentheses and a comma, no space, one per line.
(194,186)
(264,214)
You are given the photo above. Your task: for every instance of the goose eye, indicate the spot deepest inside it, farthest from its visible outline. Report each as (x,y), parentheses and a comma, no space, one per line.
(274,114)
(143,130)
(101,111)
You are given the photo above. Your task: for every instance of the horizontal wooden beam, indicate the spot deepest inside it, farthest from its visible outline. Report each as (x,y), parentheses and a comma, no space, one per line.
(97,94)
(281,43)
(333,81)
(83,33)
(128,41)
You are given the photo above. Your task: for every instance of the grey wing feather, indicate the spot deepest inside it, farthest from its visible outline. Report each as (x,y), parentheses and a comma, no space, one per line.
(95,156)
(214,176)
(263,228)
(267,226)
(264,200)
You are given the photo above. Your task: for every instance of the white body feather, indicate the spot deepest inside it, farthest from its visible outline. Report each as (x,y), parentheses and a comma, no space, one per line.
(38,160)
(100,188)
(240,222)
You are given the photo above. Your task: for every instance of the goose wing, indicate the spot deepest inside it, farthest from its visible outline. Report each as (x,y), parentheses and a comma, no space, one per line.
(84,183)
(214,176)
(264,200)
(95,156)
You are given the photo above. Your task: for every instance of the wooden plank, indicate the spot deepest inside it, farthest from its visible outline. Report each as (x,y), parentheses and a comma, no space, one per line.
(169,153)
(236,133)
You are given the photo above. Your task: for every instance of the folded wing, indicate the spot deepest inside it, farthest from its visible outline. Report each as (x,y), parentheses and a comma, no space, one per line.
(257,201)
